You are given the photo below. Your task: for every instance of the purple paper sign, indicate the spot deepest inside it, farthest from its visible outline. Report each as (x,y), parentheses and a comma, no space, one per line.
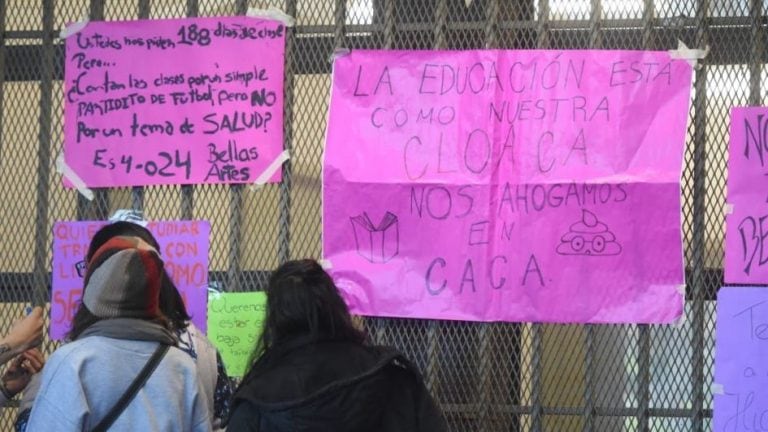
(178,101)
(507,185)
(741,347)
(746,247)
(183,248)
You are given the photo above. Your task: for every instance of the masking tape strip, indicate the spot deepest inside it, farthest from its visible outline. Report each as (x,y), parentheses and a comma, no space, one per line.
(326,264)
(339,52)
(679,322)
(270,170)
(717,389)
(728,208)
(72,176)
(691,55)
(272,13)
(74,28)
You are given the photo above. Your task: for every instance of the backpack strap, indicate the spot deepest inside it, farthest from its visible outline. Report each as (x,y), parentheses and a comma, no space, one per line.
(133,389)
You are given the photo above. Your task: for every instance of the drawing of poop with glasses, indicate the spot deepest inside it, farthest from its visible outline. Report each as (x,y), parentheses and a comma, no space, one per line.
(589,237)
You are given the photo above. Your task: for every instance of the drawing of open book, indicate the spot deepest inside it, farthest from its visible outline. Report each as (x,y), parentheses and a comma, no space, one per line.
(377,244)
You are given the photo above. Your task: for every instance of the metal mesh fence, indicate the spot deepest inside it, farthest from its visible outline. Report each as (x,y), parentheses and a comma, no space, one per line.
(487,377)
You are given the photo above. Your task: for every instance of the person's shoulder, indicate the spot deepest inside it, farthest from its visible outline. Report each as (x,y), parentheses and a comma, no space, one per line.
(177,355)
(180,362)
(67,359)
(74,349)
(198,336)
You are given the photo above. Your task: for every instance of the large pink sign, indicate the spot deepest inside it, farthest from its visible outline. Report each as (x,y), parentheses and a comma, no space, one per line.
(179,101)
(746,248)
(183,248)
(507,185)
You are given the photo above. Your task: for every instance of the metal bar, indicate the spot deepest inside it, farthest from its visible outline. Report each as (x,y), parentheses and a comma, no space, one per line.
(643,377)
(699,222)
(382,326)
(643,330)
(137,192)
(589,380)
(241,7)
(312,53)
(492,24)
(542,28)
(340,24)
(99,208)
(441,22)
(284,224)
(234,273)
(389,24)
(85,208)
(595,21)
(188,191)
(96,10)
(596,42)
(536,411)
(648,18)
(44,157)
(434,326)
(144,9)
(193,8)
(543,42)
(659,24)
(2,73)
(469,410)
(484,372)
(486,330)
(758,46)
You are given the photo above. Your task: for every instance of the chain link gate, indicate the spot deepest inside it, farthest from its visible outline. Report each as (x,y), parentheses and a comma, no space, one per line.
(487,377)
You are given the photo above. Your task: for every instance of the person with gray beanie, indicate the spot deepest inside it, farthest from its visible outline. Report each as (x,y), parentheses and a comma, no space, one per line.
(122,371)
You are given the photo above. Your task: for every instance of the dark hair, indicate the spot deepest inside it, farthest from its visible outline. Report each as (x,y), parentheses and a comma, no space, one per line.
(171,303)
(303,302)
(81,321)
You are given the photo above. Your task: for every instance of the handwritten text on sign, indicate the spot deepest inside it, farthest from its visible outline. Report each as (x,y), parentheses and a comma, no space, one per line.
(174,101)
(507,185)
(235,323)
(740,352)
(183,248)
(746,250)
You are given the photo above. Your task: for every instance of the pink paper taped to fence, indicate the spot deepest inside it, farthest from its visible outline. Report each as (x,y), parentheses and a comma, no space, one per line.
(507,185)
(746,237)
(183,248)
(180,101)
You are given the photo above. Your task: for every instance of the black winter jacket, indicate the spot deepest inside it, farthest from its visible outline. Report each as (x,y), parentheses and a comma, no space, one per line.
(334,386)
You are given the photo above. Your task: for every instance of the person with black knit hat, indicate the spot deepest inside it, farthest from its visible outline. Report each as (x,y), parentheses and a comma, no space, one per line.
(122,370)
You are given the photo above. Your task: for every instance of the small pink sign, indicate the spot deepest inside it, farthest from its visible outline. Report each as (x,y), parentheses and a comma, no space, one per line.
(746,237)
(178,101)
(183,248)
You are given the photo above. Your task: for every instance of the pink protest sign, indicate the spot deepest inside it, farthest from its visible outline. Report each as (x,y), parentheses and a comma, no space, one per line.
(183,248)
(180,101)
(746,237)
(507,185)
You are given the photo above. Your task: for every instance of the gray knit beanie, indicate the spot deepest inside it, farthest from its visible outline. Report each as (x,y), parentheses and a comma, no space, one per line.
(123,281)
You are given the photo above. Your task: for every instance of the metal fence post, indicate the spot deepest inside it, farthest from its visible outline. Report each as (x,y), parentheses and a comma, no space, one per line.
(284,228)
(40,294)
(644,331)
(698,319)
